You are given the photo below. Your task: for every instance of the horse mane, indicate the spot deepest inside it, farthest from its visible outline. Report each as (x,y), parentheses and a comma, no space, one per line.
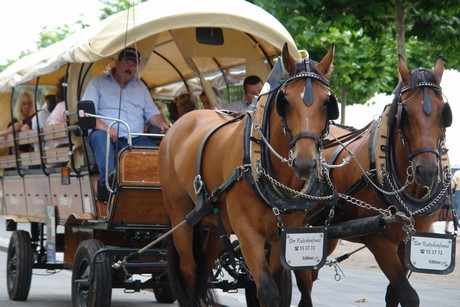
(300,67)
(423,75)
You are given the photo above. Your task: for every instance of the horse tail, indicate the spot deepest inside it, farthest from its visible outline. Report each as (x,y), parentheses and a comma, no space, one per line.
(202,291)
(173,273)
(202,277)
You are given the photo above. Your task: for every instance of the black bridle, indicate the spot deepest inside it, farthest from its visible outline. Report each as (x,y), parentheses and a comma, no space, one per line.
(308,96)
(427,109)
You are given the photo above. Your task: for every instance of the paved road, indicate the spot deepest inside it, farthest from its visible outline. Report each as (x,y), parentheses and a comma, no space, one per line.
(356,288)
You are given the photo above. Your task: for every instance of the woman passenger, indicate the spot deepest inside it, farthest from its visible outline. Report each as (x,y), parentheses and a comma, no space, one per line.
(24,110)
(182,104)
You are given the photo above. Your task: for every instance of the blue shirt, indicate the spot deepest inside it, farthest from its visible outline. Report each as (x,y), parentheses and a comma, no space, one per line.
(136,106)
(238,106)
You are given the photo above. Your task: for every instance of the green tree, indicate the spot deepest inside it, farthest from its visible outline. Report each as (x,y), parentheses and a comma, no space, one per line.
(51,36)
(369,37)
(115,6)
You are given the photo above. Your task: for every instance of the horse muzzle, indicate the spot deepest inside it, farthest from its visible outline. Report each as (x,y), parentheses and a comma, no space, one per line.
(426,171)
(304,166)
(304,156)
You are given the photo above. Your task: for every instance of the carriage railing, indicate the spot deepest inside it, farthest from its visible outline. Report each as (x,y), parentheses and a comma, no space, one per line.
(34,158)
(114,121)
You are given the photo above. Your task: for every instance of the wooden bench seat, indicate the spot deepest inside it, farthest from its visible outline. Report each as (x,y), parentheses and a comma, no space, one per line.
(6,141)
(8,161)
(54,132)
(48,133)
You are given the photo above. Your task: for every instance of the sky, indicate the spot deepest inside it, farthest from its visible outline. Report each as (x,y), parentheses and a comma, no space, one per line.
(22,21)
(20,28)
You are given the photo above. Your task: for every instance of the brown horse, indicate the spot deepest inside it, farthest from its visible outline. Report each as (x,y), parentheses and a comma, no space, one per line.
(223,190)
(398,161)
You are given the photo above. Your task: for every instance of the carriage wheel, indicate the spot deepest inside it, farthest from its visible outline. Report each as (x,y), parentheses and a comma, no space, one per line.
(164,294)
(98,292)
(19,265)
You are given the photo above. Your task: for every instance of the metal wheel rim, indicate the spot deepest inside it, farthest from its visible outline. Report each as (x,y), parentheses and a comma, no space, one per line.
(11,267)
(84,270)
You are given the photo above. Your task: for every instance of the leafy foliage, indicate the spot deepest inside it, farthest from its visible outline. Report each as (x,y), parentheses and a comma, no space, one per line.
(115,6)
(367,37)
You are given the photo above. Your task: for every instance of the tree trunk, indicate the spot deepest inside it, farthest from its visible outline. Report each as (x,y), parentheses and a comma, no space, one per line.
(400,29)
(343,103)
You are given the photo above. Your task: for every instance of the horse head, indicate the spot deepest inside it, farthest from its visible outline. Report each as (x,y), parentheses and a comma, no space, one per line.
(422,117)
(306,105)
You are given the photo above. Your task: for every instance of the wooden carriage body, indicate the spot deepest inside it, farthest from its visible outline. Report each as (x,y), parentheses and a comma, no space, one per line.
(54,190)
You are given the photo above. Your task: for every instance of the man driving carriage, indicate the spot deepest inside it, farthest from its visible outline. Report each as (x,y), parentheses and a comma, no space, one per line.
(121,94)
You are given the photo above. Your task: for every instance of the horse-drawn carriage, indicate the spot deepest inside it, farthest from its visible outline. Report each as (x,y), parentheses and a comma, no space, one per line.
(186,47)
(258,175)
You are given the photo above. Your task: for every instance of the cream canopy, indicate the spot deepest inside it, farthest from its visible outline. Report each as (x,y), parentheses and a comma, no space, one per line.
(164,32)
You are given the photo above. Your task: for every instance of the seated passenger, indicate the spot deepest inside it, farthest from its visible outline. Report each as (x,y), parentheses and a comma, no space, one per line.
(252,86)
(58,116)
(24,110)
(207,103)
(182,104)
(120,94)
(42,115)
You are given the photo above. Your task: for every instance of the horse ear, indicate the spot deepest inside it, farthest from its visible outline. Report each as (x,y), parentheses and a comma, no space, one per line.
(325,66)
(288,61)
(404,72)
(439,68)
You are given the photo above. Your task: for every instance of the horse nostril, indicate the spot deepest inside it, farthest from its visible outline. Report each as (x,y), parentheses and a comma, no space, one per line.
(425,174)
(304,167)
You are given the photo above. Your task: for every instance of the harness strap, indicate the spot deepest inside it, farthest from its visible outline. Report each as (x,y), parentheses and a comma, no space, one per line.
(224,238)
(348,139)
(199,157)
(328,143)
(205,202)
(305,134)
(358,185)
(324,212)
(424,149)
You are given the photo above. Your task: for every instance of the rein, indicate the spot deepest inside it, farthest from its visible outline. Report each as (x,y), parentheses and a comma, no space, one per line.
(382,159)
(256,151)
(382,172)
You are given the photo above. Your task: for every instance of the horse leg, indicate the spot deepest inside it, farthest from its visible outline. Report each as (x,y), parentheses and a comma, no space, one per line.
(281,276)
(181,249)
(212,247)
(399,290)
(305,279)
(182,268)
(392,295)
(252,246)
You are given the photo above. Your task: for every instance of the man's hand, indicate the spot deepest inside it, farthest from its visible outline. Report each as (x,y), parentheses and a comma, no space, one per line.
(160,122)
(101,126)
(163,127)
(113,134)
